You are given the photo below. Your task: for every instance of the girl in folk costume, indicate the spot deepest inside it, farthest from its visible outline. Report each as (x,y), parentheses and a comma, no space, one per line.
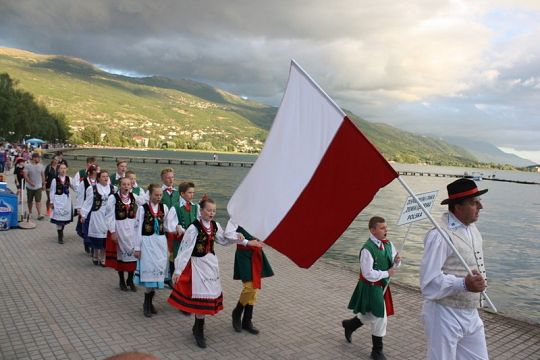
(250,265)
(95,207)
(187,212)
(88,180)
(120,250)
(153,219)
(61,201)
(197,286)
(140,194)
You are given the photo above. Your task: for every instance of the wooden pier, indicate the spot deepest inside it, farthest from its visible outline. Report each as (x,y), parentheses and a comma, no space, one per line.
(152,160)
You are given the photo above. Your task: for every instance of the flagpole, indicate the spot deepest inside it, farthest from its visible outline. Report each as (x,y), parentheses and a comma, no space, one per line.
(445,237)
(319,88)
(399,253)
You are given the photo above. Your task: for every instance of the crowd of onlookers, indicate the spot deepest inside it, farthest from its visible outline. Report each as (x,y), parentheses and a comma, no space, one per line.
(30,173)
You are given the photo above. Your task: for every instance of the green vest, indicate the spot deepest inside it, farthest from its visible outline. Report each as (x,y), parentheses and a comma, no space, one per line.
(136,191)
(242,261)
(172,199)
(114,182)
(368,298)
(185,217)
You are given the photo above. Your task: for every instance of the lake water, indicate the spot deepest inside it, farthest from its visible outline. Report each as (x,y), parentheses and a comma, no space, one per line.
(509,222)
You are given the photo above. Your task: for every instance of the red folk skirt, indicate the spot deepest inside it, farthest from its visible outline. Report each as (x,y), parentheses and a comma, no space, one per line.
(111,257)
(181,297)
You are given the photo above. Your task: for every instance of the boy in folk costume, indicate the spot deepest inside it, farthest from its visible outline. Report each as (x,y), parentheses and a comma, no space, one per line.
(121,168)
(61,201)
(120,251)
(171,197)
(140,194)
(186,211)
(250,265)
(95,208)
(378,262)
(153,219)
(83,173)
(197,285)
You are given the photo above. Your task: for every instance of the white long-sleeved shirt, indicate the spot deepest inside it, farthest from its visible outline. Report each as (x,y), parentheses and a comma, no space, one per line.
(189,240)
(231,234)
(366,263)
(433,282)
(81,192)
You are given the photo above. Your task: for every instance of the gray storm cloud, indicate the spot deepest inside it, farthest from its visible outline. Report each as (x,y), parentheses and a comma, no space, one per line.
(383,60)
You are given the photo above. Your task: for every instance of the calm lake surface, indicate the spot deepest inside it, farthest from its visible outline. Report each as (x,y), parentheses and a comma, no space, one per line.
(509,222)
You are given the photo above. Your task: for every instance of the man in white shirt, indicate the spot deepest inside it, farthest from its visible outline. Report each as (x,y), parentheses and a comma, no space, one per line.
(453,327)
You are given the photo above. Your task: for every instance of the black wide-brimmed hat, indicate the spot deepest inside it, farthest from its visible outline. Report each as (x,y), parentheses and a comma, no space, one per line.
(462,189)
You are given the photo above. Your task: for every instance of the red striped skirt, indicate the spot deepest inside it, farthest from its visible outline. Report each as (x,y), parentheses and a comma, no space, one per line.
(181,299)
(111,257)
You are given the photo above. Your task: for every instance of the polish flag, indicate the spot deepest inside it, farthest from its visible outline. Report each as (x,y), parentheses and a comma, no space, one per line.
(315,174)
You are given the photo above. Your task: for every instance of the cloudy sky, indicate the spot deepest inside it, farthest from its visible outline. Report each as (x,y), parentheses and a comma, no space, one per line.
(464,67)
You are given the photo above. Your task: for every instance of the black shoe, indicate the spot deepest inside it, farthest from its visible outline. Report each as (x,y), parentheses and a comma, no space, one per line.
(130,283)
(96,262)
(152,308)
(122,282)
(198,333)
(377,350)
(237,317)
(350,326)
(60,236)
(246,320)
(146,304)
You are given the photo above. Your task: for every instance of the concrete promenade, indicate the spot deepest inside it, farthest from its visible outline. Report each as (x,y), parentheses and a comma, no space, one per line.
(55,304)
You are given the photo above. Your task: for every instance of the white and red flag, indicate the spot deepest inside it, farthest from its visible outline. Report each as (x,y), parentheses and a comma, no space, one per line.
(316,172)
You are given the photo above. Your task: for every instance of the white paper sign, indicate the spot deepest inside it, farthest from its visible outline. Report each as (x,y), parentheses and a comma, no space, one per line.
(412,212)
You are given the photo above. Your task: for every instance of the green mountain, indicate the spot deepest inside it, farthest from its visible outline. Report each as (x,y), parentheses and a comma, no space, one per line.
(153,111)
(117,110)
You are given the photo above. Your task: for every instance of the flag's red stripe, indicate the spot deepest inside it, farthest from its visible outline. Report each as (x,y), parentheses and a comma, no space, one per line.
(348,177)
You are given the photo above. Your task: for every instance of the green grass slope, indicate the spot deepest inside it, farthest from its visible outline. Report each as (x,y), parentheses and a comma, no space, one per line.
(112,109)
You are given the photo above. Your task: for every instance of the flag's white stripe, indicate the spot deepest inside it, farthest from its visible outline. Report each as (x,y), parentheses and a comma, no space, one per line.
(304,127)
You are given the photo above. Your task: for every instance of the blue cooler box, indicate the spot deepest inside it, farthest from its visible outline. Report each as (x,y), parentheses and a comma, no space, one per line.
(8,209)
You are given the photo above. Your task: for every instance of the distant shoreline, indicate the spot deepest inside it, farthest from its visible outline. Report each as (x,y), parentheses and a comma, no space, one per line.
(86,147)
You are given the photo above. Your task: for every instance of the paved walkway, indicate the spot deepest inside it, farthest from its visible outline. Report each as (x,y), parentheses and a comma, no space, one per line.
(55,304)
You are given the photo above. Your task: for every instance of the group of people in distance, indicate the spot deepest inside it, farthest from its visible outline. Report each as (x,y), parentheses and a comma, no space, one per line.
(159,236)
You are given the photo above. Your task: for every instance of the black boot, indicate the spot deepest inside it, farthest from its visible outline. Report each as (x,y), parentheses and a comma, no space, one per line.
(146,305)
(350,326)
(237,317)
(60,236)
(152,308)
(376,351)
(198,333)
(246,320)
(130,283)
(122,283)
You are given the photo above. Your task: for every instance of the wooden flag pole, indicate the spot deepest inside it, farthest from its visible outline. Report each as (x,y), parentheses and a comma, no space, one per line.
(399,253)
(445,237)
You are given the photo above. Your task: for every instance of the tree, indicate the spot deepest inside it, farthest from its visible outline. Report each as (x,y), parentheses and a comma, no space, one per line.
(21,114)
